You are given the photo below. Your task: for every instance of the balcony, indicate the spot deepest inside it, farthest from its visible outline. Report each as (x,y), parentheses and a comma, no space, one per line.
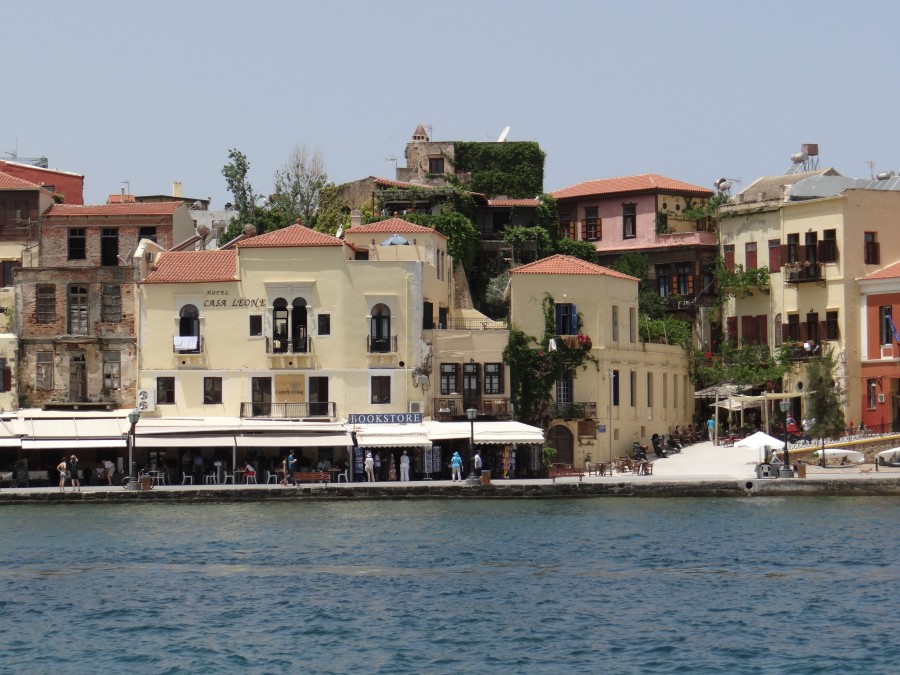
(573,411)
(803,273)
(187,344)
(278,345)
(499,408)
(381,345)
(472,324)
(326,409)
(800,353)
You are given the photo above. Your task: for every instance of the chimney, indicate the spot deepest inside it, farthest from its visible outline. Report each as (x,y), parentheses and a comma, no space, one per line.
(176,189)
(355,217)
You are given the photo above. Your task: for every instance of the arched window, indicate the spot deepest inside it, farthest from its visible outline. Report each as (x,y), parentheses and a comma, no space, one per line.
(188,329)
(279,326)
(380,330)
(299,333)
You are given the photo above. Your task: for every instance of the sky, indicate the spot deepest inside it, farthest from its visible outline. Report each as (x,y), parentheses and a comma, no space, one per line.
(147,93)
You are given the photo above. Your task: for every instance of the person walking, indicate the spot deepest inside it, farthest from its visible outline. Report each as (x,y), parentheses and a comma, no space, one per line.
(404,467)
(456,467)
(370,468)
(73,473)
(476,463)
(63,472)
(710,429)
(109,471)
(283,480)
(291,462)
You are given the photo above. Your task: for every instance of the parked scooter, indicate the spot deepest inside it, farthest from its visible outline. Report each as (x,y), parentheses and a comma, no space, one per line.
(639,451)
(673,446)
(658,448)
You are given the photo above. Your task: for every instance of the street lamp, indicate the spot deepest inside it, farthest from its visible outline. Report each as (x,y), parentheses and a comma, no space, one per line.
(133,418)
(471,413)
(785,405)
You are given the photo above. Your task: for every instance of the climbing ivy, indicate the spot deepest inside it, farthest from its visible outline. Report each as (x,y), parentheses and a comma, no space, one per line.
(514,169)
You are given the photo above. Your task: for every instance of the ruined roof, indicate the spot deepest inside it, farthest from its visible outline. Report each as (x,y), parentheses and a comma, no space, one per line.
(139,209)
(646,182)
(184,267)
(503,202)
(771,188)
(566,264)
(290,236)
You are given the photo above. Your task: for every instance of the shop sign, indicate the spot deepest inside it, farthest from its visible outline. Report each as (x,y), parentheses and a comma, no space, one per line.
(384,418)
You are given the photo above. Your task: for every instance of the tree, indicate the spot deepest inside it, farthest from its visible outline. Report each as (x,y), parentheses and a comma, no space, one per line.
(823,402)
(299,185)
(235,172)
(333,211)
(584,250)
(457,228)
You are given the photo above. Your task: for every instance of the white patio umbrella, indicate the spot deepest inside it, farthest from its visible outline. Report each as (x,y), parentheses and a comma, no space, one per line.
(760,440)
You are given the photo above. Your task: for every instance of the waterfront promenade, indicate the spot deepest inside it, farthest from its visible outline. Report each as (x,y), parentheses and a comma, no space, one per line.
(701,469)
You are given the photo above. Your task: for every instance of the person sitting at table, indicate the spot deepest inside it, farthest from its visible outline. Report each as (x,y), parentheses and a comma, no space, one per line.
(248,472)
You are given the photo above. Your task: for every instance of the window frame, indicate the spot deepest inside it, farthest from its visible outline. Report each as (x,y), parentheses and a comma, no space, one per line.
(323,324)
(112,369)
(629,220)
(591,223)
(43,371)
(78,309)
(377,386)
(165,390)
(449,375)
(212,390)
(254,331)
(493,379)
(77,244)
(111,303)
(45,304)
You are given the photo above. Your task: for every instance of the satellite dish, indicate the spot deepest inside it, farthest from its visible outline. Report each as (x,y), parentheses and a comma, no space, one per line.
(503,135)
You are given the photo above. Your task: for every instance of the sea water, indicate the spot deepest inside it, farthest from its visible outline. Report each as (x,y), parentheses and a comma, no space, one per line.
(750,585)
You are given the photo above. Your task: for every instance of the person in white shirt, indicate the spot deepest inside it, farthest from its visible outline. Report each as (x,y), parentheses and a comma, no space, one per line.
(404,466)
(476,463)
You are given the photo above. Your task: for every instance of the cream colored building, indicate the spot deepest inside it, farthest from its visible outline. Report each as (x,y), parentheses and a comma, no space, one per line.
(817,236)
(637,389)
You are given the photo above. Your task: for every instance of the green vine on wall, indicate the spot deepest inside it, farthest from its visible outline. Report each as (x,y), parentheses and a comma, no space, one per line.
(514,169)
(534,367)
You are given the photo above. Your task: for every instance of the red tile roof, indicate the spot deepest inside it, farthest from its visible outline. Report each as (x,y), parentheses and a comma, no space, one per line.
(890,272)
(141,209)
(393,226)
(8,182)
(184,267)
(643,183)
(566,264)
(120,199)
(514,202)
(290,236)
(399,183)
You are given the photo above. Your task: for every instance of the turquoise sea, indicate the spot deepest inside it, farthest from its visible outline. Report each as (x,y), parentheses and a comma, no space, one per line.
(751,585)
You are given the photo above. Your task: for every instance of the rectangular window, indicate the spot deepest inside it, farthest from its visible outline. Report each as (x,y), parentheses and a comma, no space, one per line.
(871,252)
(564,388)
(361,255)
(109,246)
(831,325)
(77,243)
(793,327)
(629,221)
(812,326)
(750,255)
(632,324)
(675,390)
(427,315)
(567,230)
(650,390)
(324,321)
(684,279)
(112,368)
(615,323)
(256,325)
(78,310)
(872,391)
(435,165)
(449,378)
(493,378)
(6,270)
(811,247)
(165,390)
(828,247)
(44,371)
(471,383)
(46,304)
(774,255)
(111,308)
(212,390)
(147,232)
(728,254)
(381,389)
(665,390)
(632,386)
(664,280)
(6,381)
(885,314)
(590,223)
(793,249)
(615,387)
(566,319)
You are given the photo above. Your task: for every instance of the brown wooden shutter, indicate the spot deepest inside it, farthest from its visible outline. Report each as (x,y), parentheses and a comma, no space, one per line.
(785,255)
(731,328)
(729,259)
(762,329)
(774,255)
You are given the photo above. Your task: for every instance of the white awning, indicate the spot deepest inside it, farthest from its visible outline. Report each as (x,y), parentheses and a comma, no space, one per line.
(391,435)
(78,428)
(72,443)
(486,432)
(183,441)
(294,440)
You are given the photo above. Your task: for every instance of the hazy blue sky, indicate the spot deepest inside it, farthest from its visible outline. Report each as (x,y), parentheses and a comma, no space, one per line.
(154,92)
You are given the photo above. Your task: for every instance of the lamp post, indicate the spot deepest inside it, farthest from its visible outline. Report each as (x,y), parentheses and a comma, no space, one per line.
(785,405)
(471,413)
(133,418)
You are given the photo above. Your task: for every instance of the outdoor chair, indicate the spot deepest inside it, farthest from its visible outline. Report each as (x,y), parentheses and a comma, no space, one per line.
(272,477)
(186,478)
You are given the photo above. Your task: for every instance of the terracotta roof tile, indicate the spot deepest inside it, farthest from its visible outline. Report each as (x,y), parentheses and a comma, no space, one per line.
(141,209)
(399,183)
(514,202)
(290,236)
(184,267)
(890,272)
(566,264)
(120,199)
(8,182)
(393,226)
(644,182)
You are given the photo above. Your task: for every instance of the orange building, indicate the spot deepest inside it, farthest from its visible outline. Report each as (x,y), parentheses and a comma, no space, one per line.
(880,339)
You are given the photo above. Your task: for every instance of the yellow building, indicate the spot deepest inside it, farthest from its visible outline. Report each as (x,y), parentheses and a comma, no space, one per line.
(635,390)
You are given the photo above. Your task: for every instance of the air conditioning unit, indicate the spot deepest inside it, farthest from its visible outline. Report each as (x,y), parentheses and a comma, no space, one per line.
(146,400)
(684,304)
(417,407)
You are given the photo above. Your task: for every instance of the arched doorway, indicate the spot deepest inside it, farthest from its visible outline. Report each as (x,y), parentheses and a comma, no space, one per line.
(380,330)
(562,439)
